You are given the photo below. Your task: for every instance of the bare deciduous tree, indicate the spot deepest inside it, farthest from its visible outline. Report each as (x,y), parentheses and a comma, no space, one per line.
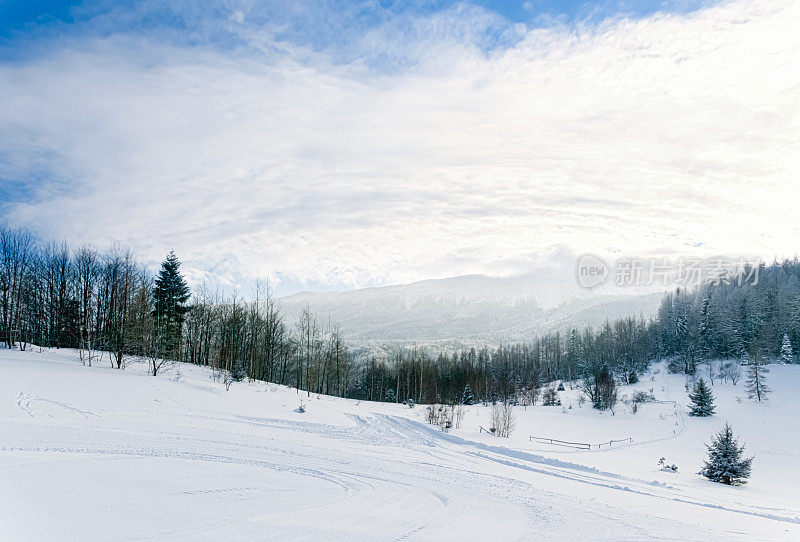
(503,419)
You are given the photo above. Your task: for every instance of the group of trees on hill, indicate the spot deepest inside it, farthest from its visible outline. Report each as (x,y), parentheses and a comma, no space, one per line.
(107,303)
(733,320)
(753,323)
(513,372)
(57,296)
(253,340)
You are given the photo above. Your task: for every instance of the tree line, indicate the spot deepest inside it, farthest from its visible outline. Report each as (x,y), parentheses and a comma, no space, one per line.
(516,372)
(753,322)
(56,296)
(732,319)
(108,303)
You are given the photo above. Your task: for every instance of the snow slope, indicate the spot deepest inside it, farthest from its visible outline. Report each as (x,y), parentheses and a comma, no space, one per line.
(100,454)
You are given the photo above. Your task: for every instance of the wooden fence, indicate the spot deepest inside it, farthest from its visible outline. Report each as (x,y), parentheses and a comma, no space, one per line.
(577,445)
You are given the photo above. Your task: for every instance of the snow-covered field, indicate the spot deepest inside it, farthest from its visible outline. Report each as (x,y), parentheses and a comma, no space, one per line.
(101,454)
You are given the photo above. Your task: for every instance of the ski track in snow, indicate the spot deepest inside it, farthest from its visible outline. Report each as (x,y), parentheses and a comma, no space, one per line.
(24,401)
(374,476)
(382,430)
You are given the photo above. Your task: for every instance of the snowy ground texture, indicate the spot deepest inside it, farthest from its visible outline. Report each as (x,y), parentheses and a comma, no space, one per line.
(101,454)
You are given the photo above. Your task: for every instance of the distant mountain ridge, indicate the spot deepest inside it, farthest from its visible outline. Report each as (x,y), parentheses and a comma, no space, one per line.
(467,310)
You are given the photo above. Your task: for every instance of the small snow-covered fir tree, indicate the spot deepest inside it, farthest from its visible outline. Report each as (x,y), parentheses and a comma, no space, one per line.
(756,384)
(237,372)
(390,396)
(550,397)
(702,400)
(467,397)
(726,463)
(786,350)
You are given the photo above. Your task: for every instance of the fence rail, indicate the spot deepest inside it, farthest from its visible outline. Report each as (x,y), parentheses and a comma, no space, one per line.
(578,445)
(610,442)
(582,445)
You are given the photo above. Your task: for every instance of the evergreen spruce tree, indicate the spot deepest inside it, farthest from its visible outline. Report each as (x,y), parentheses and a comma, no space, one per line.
(786,350)
(702,400)
(756,384)
(550,397)
(238,373)
(467,397)
(170,296)
(726,463)
(390,396)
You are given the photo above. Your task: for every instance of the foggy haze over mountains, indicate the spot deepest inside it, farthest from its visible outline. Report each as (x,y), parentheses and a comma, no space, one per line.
(471,310)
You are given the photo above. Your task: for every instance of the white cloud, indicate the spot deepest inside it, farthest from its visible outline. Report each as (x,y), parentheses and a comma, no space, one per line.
(641,136)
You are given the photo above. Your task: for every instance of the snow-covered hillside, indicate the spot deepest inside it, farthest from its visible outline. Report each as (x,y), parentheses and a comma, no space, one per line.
(101,454)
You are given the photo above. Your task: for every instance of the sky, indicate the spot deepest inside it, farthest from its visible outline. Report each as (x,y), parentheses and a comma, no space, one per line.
(336,145)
